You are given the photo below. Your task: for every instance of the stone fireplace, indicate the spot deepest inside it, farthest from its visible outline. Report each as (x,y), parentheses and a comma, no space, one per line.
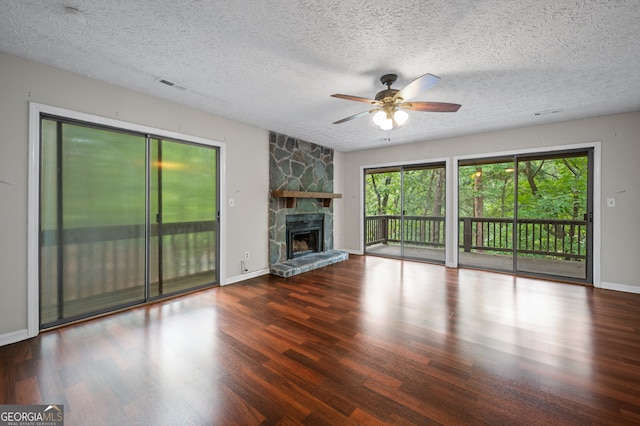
(304,169)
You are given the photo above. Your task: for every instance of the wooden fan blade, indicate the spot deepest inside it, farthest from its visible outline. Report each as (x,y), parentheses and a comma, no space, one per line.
(358,115)
(417,86)
(357,98)
(430,106)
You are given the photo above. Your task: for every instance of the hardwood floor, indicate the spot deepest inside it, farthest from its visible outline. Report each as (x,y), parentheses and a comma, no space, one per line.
(366,341)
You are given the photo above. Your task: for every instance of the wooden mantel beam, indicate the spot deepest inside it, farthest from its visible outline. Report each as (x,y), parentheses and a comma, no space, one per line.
(292,196)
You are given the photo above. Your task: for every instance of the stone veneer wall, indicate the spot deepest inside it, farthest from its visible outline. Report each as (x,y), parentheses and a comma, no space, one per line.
(296,165)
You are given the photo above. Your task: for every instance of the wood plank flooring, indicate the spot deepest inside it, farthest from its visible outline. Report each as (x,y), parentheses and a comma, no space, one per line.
(366,341)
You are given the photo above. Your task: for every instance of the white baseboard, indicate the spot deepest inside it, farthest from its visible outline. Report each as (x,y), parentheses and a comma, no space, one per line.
(13,337)
(248,275)
(356,252)
(620,287)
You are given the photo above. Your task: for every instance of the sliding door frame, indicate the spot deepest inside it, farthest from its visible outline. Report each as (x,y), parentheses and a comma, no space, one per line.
(452,216)
(588,215)
(403,171)
(596,199)
(400,164)
(33,226)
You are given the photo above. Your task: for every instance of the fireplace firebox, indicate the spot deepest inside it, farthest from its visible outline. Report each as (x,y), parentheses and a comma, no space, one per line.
(304,234)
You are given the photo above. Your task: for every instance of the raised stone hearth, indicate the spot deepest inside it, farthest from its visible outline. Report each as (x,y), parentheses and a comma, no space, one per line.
(303,167)
(307,263)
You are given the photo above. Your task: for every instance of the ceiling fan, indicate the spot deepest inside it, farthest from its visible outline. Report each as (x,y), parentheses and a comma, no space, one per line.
(392,103)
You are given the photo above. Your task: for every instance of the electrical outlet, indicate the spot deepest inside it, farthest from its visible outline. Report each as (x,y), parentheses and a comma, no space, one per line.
(246,255)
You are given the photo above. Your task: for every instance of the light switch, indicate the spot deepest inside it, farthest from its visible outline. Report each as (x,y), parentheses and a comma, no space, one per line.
(611,202)
(231,202)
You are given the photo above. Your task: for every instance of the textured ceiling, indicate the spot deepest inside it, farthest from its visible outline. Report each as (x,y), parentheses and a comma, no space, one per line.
(273,64)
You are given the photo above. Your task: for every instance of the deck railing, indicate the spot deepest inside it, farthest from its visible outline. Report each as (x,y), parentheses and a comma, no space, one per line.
(105,259)
(553,238)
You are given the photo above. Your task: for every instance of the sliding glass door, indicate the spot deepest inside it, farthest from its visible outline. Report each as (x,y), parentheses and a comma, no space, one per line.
(554,220)
(92,245)
(405,211)
(124,219)
(383,211)
(184,243)
(528,214)
(486,212)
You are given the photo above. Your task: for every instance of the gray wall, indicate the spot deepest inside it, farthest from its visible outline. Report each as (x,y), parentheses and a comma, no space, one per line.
(620,144)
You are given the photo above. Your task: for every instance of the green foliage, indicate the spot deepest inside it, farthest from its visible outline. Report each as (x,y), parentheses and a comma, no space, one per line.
(382,193)
(189,183)
(491,183)
(548,188)
(424,192)
(560,190)
(104,184)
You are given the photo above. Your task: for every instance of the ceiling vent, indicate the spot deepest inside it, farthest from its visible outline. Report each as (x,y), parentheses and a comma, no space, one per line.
(172,84)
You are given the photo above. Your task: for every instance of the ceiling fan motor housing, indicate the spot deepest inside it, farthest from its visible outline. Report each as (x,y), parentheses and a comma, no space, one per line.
(387,93)
(387,80)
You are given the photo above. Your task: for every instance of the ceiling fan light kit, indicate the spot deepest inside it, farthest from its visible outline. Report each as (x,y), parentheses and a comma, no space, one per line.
(391,103)
(388,121)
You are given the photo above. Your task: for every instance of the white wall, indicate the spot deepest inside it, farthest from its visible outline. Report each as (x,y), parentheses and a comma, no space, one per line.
(620,144)
(22,81)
